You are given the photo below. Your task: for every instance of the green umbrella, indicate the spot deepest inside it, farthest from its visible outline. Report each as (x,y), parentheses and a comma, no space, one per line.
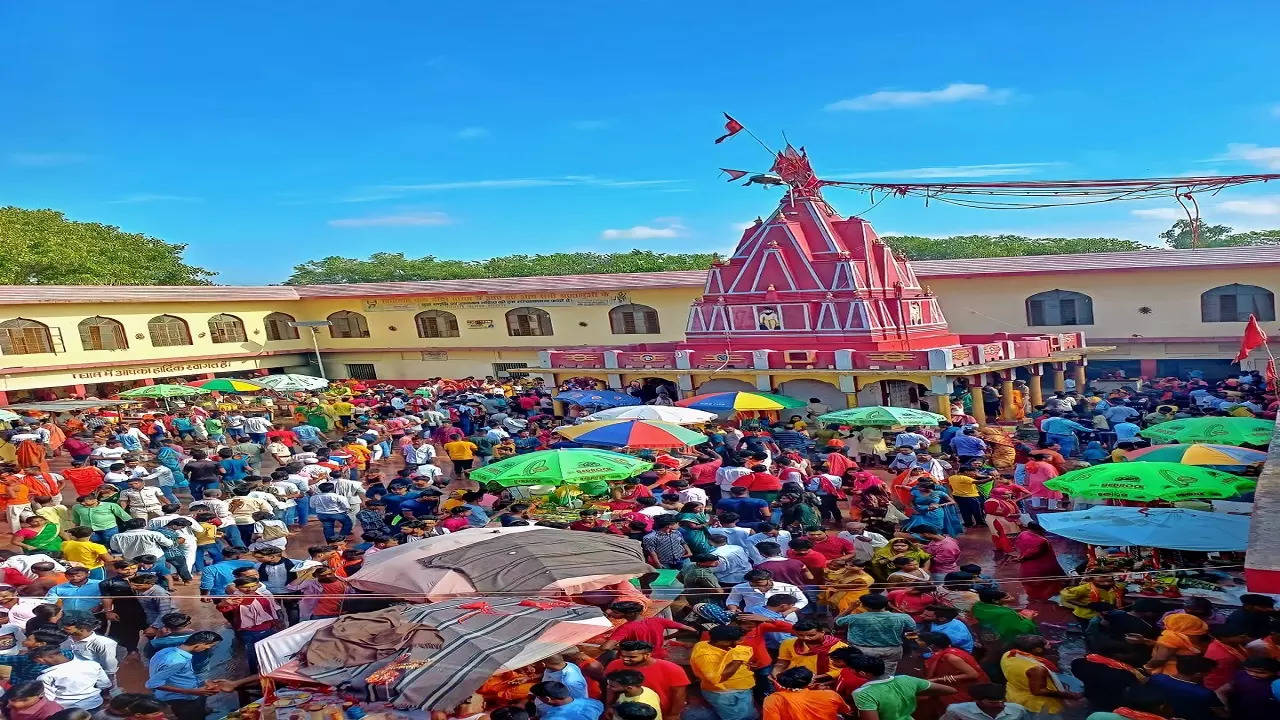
(1220,430)
(1147,481)
(881,415)
(553,467)
(162,391)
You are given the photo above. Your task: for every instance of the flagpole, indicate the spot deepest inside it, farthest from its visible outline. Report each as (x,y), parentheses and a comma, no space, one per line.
(747,130)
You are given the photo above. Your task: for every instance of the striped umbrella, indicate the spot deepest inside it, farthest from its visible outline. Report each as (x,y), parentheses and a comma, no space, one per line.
(231,385)
(723,402)
(1199,454)
(632,433)
(882,415)
(162,390)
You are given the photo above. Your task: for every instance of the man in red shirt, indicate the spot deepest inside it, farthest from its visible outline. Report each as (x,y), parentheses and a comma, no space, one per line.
(278,433)
(760,484)
(702,474)
(664,677)
(650,630)
(815,562)
(831,546)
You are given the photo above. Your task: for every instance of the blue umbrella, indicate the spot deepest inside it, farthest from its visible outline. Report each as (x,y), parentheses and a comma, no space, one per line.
(596,398)
(1167,528)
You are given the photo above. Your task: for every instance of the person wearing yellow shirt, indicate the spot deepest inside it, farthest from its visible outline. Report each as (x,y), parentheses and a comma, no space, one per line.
(343,410)
(723,668)
(964,488)
(82,551)
(360,455)
(628,687)
(1087,600)
(462,453)
(810,648)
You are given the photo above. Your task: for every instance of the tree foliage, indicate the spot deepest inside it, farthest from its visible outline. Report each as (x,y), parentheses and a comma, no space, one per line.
(42,247)
(985,246)
(1211,236)
(390,267)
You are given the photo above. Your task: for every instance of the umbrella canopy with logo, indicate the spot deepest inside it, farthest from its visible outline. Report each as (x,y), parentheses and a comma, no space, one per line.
(882,416)
(161,391)
(1148,481)
(665,413)
(734,401)
(291,382)
(556,467)
(1223,430)
(1167,528)
(596,398)
(230,385)
(1199,454)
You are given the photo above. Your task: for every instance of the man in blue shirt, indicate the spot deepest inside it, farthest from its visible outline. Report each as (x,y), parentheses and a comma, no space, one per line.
(215,578)
(968,446)
(174,680)
(1125,432)
(308,434)
(944,619)
(554,702)
(78,596)
(747,508)
(1060,430)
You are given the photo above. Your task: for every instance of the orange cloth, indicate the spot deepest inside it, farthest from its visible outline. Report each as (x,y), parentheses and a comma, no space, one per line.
(31,453)
(1179,629)
(804,705)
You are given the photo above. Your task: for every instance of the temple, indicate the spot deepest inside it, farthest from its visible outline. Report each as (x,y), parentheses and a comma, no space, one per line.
(812,304)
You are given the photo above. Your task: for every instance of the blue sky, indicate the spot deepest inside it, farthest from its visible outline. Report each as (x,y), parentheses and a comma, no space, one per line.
(265,135)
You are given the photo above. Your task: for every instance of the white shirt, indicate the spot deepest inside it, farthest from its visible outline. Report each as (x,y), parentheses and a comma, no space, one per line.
(864,545)
(257,425)
(693,494)
(105,457)
(11,637)
(727,475)
(132,543)
(75,683)
(653,511)
(23,563)
(218,507)
(428,471)
(497,434)
(96,648)
(329,504)
(143,500)
(748,598)
(266,497)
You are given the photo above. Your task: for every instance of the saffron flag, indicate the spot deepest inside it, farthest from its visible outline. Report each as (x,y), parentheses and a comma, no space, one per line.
(1253,338)
(1271,375)
(734,174)
(731,127)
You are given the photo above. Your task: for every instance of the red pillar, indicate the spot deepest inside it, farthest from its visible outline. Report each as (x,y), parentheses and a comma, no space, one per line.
(4,398)
(148,381)
(78,391)
(1147,368)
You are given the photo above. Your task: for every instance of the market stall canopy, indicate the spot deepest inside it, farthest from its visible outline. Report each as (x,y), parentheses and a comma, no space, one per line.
(665,413)
(1165,528)
(1199,454)
(471,639)
(7,415)
(632,434)
(290,382)
(596,398)
(1148,481)
(1227,430)
(882,416)
(162,391)
(524,559)
(725,402)
(54,406)
(554,467)
(231,385)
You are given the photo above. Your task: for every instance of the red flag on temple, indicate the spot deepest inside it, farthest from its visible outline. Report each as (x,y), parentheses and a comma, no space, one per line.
(1253,338)
(734,174)
(1271,375)
(731,127)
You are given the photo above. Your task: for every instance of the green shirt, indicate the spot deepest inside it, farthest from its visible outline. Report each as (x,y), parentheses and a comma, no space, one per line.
(102,516)
(893,699)
(213,426)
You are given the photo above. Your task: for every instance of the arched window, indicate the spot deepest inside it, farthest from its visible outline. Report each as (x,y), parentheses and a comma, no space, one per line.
(347,324)
(528,322)
(102,333)
(1236,302)
(1059,307)
(632,319)
(436,324)
(278,327)
(226,328)
(20,336)
(168,330)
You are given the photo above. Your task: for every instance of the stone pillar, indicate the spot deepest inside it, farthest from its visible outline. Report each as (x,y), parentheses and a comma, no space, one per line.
(1037,394)
(1081,380)
(975,392)
(851,400)
(1007,411)
(559,408)
(1059,377)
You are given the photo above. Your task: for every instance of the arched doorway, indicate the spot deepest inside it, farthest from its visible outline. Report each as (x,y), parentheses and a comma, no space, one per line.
(647,389)
(826,393)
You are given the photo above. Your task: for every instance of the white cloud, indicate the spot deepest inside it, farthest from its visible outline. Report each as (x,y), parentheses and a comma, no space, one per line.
(951,171)
(1159,213)
(1267,157)
(953,93)
(415,219)
(742,226)
(589,124)
(663,227)
(141,198)
(1275,110)
(1254,206)
(47,159)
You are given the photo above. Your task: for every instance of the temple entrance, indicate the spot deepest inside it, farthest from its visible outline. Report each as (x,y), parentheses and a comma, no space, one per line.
(805,390)
(647,389)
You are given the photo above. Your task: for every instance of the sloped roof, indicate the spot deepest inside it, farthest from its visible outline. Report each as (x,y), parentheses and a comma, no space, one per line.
(1154,259)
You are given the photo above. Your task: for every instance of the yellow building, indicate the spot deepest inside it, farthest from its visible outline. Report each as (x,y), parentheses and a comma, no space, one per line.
(1166,311)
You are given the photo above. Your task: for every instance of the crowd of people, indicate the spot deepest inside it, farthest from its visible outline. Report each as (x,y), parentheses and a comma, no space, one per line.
(825,570)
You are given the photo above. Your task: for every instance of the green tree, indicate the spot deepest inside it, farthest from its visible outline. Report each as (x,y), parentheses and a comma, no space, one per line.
(985,246)
(42,247)
(1179,236)
(389,267)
